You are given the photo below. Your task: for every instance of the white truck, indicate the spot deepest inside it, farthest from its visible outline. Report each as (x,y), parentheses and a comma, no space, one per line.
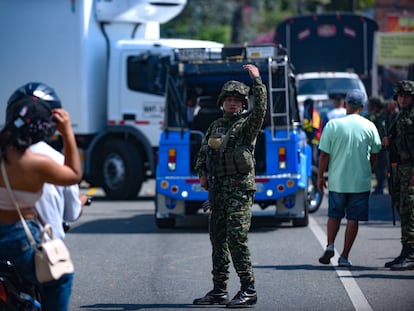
(104,60)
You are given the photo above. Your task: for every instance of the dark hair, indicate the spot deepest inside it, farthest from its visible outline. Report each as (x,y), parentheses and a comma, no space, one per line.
(9,137)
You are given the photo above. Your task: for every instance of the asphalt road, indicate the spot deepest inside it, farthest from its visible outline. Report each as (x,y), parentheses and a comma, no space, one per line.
(124,262)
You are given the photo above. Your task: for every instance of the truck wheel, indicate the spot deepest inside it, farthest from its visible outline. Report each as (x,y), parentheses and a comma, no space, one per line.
(121,170)
(165,223)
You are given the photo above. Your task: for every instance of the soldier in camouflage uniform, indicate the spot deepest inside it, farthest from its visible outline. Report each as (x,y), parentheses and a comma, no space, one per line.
(401,144)
(378,115)
(225,166)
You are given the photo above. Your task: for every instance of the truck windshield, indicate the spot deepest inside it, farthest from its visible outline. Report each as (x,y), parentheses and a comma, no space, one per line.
(325,85)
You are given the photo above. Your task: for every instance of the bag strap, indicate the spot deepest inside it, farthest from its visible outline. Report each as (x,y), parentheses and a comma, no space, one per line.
(227,137)
(13,199)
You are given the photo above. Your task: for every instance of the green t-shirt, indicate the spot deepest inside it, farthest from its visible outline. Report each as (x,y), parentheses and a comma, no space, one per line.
(349,141)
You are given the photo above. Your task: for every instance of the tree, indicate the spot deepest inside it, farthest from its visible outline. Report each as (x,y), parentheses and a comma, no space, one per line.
(241,21)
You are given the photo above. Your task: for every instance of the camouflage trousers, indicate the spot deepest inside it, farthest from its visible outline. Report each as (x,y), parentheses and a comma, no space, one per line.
(403,198)
(229,224)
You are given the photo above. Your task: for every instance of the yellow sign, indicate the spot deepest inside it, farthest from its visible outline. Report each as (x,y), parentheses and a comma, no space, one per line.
(395,48)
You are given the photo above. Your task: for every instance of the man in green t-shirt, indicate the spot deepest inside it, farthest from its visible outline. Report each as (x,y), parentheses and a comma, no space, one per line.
(347,149)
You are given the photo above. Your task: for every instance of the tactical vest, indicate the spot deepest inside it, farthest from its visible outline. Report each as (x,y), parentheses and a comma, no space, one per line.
(226,157)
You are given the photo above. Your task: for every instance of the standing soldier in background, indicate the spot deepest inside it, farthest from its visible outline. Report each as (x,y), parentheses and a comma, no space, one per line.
(401,144)
(391,110)
(378,116)
(225,166)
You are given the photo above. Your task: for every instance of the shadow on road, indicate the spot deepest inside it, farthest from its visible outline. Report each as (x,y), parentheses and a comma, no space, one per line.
(127,307)
(316,267)
(145,223)
(382,276)
(381,273)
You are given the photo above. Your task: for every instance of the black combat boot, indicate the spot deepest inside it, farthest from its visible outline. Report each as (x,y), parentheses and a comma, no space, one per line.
(217,296)
(398,259)
(246,297)
(406,263)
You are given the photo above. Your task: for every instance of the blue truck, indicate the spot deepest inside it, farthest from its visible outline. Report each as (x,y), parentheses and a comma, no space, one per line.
(330,42)
(283,158)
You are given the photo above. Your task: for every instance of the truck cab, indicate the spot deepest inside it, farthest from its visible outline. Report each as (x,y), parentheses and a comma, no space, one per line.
(283,158)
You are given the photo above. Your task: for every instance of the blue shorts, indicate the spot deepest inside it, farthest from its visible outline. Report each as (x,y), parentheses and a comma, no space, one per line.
(353,205)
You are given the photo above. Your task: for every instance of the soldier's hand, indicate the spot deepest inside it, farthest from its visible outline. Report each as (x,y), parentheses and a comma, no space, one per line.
(252,69)
(204,182)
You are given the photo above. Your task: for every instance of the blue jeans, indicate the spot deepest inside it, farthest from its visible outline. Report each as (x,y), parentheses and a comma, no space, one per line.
(16,248)
(56,294)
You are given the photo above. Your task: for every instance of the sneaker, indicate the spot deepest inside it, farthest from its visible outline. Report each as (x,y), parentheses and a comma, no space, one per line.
(217,296)
(327,255)
(343,262)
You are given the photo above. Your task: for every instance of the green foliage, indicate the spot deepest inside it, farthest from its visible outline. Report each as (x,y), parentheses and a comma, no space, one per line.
(347,5)
(207,20)
(365,4)
(219,33)
(239,21)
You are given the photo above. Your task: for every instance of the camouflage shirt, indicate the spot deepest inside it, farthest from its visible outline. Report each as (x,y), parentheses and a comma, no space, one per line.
(402,136)
(242,135)
(379,118)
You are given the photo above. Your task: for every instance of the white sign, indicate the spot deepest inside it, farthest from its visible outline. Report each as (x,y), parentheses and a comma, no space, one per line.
(395,48)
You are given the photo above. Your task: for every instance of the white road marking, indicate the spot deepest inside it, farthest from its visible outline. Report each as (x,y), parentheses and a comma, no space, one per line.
(354,292)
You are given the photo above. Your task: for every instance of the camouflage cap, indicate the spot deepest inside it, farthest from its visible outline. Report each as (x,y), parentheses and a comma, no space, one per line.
(403,87)
(234,88)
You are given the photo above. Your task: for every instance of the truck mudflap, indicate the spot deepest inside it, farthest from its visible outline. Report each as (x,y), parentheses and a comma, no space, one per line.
(167,207)
(172,199)
(292,206)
